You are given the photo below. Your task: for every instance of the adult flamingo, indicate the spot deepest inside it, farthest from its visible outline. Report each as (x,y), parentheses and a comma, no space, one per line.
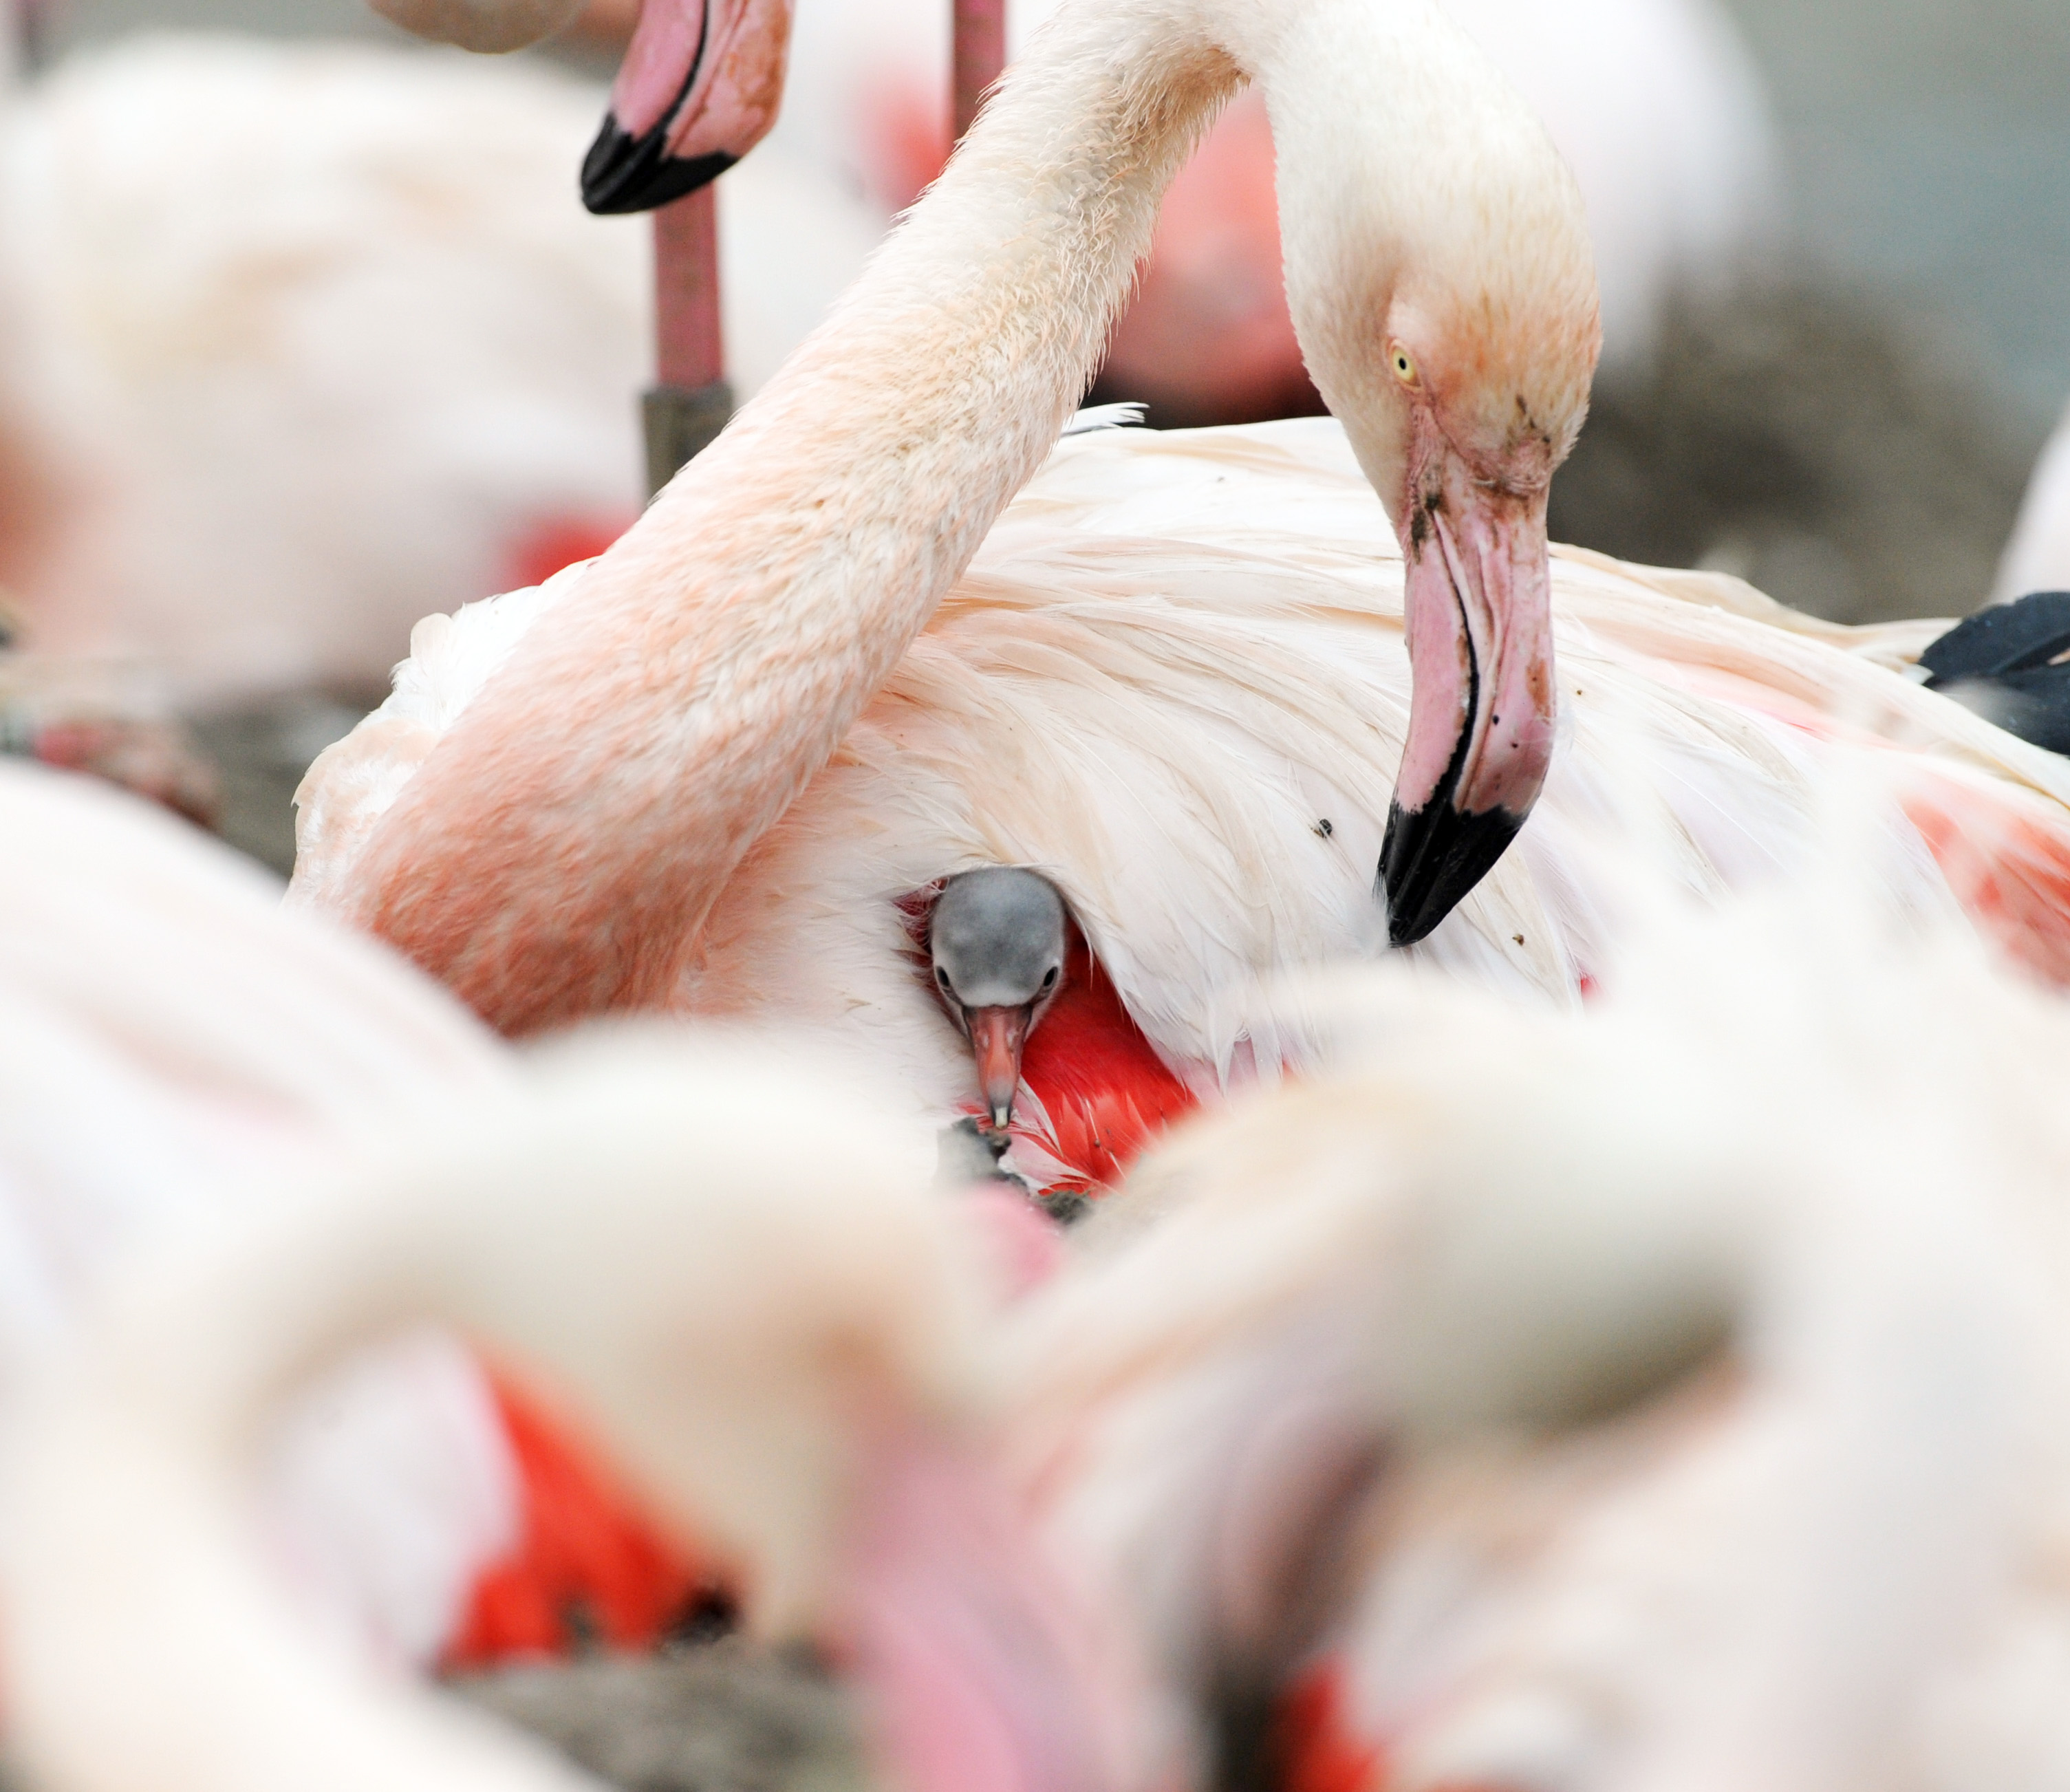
(763,600)
(764,1312)
(1497,1409)
(1174,682)
(177,1050)
(1211,837)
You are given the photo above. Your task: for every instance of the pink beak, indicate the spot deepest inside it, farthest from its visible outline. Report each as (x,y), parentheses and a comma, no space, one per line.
(699,88)
(1479,611)
(997,1035)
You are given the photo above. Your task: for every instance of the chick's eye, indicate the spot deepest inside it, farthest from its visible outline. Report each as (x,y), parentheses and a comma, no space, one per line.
(942,977)
(1049,978)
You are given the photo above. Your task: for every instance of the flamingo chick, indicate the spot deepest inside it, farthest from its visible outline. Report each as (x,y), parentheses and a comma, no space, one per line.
(997,941)
(765,1313)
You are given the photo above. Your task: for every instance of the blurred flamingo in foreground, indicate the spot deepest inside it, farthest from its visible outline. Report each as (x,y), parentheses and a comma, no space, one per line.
(758,1307)
(1500,1408)
(177,1054)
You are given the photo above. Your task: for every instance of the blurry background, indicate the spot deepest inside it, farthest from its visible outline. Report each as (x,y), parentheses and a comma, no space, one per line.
(1856,441)
(1928,144)
(1929,151)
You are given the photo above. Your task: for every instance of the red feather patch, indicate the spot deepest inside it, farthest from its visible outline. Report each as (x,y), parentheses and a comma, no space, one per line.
(2011,873)
(554,543)
(1106,1092)
(588,1569)
(1319,1750)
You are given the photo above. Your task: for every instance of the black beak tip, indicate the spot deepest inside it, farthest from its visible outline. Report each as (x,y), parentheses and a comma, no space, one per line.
(1431,857)
(622,173)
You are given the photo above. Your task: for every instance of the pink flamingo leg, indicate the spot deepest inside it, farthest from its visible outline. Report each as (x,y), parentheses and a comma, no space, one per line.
(980,53)
(690,401)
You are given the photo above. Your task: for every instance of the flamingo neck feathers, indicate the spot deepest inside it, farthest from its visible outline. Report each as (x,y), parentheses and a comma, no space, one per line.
(556,854)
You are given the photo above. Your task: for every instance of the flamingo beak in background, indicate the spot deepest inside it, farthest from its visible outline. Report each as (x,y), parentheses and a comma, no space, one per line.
(699,88)
(997,1037)
(1479,606)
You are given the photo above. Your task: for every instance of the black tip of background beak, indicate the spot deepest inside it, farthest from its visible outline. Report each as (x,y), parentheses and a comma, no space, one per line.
(1431,857)
(622,173)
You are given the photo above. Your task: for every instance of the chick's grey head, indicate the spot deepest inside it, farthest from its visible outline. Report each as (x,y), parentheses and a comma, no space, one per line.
(996,940)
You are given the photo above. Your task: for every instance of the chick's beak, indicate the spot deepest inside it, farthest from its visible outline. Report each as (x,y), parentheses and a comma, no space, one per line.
(1479,606)
(996,1036)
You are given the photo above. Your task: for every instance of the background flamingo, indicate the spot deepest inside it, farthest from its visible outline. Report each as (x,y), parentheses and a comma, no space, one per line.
(1655,103)
(2037,558)
(327,343)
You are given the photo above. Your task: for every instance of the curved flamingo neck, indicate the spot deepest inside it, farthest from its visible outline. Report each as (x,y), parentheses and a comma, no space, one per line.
(557,854)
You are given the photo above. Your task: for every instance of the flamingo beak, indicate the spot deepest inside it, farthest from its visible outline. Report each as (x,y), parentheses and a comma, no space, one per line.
(699,88)
(1479,606)
(997,1037)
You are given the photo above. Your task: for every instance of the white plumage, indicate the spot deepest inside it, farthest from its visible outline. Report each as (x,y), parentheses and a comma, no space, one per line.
(1174,680)
(1668,1393)
(177,1056)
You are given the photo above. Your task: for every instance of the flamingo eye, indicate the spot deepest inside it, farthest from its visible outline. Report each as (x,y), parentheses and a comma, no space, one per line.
(1404,368)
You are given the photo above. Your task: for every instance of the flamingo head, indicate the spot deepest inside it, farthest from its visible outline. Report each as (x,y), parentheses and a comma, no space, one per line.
(699,88)
(996,941)
(1444,292)
(1482,444)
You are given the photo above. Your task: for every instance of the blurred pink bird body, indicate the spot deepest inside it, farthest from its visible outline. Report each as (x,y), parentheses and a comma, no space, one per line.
(176,1050)
(1656,105)
(796,1374)
(1580,1435)
(313,344)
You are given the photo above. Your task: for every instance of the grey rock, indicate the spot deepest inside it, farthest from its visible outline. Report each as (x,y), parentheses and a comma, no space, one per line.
(721,1717)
